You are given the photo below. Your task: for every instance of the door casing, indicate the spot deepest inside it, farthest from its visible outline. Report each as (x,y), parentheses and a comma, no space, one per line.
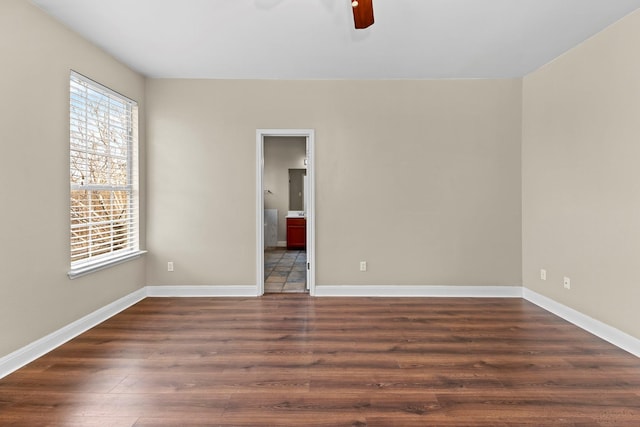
(309,134)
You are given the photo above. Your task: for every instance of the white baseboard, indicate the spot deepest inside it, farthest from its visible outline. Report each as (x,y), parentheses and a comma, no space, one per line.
(202,291)
(281,244)
(31,352)
(602,330)
(419,291)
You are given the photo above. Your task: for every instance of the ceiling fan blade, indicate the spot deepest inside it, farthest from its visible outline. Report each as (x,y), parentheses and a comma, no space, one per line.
(362,13)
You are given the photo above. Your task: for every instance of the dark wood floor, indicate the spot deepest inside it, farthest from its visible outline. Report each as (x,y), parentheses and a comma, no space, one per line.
(294,360)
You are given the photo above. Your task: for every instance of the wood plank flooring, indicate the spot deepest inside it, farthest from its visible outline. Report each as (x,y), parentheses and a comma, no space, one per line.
(285,360)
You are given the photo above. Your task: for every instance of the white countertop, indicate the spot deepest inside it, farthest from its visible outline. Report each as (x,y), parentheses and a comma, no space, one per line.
(296,214)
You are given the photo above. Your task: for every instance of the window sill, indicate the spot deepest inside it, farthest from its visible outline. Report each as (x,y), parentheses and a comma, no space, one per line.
(74,273)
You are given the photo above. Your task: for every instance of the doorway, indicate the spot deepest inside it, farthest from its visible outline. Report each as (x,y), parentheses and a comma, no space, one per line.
(285,249)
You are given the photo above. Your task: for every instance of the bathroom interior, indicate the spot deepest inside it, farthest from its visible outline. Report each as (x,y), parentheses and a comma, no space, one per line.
(285,184)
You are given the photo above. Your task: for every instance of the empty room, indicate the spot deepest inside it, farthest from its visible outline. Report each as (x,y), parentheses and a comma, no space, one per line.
(320,213)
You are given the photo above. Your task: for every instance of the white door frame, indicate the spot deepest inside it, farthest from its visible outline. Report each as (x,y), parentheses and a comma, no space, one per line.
(309,134)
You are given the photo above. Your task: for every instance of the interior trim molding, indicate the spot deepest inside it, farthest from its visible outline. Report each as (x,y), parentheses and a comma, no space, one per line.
(419,291)
(309,135)
(202,291)
(601,330)
(30,352)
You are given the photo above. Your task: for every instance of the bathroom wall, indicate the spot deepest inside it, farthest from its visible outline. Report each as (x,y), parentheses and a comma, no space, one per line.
(280,155)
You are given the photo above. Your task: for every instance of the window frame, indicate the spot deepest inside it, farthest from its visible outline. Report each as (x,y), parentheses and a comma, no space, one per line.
(102,251)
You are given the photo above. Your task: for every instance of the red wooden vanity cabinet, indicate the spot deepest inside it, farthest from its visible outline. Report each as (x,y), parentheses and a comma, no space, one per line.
(296,233)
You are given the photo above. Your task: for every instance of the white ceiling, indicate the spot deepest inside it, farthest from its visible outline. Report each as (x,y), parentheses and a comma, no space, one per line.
(315,39)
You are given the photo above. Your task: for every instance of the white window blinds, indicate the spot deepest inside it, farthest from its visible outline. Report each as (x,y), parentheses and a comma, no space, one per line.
(103,174)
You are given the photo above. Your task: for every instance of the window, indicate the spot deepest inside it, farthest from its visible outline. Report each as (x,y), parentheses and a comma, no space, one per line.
(103,176)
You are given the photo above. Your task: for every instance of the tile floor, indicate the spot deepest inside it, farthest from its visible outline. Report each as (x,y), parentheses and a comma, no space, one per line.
(285,270)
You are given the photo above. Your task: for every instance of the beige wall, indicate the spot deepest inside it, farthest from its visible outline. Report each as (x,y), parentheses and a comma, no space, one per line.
(419,178)
(581,177)
(422,179)
(280,155)
(36,297)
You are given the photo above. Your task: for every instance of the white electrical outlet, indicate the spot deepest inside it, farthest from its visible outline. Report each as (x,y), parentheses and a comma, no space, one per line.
(170,266)
(543,274)
(363,265)
(567,283)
